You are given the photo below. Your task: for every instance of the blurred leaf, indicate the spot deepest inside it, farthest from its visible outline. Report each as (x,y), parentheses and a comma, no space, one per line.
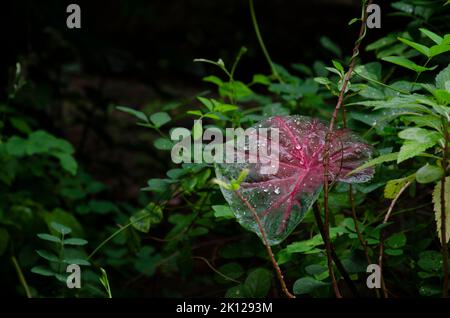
(258,282)
(159,119)
(136,113)
(306,285)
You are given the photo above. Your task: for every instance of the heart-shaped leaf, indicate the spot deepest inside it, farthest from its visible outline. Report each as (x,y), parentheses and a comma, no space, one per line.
(282,198)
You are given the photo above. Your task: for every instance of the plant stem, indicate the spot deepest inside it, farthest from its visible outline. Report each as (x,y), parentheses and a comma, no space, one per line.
(334,255)
(261,42)
(361,239)
(362,32)
(266,243)
(381,252)
(444,212)
(22,279)
(109,238)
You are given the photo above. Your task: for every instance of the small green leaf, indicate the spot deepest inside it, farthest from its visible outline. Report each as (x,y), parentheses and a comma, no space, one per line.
(48,237)
(393,252)
(402,61)
(258,282)
(213,79)
(67,162)
(411,149)
(418,47)
(306,285)
(195,112)
(376,161)
(330,45)
(396,241)
(77,261)
(394,186)
(438,49)
(138,114)
(159,119)
(142,220)
(75,241)
(48,256)
(158,185)
(433,36)
(261,79)
(61,229)
(40,270)
(163,144)
(429,173)
(206,102)
(223,211)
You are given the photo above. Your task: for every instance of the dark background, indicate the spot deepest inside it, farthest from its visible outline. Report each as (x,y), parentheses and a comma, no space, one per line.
(140,54)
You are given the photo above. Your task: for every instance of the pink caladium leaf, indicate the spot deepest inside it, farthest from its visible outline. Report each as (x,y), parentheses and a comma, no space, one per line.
(281,198)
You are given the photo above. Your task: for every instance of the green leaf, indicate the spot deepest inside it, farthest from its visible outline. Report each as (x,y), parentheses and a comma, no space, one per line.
(223,108)
(306,285)
(438,208)
(330,45)
(75,241)
(158,185)
(376,161)
(404,62)
(429,173)
(48,237)
(419,134)
(394,186)
(163,144)
(396,241)
(235,89)
(443,79)
(209,103)
(411,149)
(338,66)
(48,256)
(195,112)
(418,47)
(393,252)
(258,282)
(61,229)
(159,119)
(213,79)
(40,270)
(438,49)
(16,146)
(142,220)
(231,270)
(136,113)
(223,211)
(77,261)
(67,162)
(380,43)
(261,79)
(433,36)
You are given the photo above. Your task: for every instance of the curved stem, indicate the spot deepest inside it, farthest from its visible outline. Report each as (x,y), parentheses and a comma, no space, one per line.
(381,252)
(22,279)
(261,42)
(266,243)
(326,159)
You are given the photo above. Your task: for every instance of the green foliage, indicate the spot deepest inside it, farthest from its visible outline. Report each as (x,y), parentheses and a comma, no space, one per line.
(181,238)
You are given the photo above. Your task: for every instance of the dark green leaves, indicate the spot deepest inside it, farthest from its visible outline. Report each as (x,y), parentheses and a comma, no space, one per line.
(307,285)
(142,220)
